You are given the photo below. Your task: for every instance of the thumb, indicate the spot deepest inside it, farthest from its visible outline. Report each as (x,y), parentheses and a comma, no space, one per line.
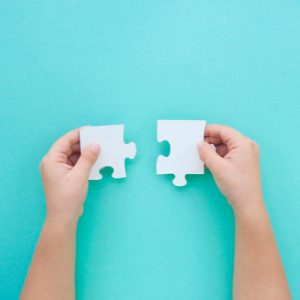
(86,160)
(210,157)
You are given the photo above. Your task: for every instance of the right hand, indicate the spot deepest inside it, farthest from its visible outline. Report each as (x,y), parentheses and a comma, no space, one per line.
(234,164)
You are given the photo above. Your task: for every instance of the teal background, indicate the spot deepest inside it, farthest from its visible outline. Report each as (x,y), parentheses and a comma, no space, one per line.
(64,64)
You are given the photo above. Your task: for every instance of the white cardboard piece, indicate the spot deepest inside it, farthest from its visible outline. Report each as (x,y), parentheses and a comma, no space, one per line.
(113,150)
(183,137)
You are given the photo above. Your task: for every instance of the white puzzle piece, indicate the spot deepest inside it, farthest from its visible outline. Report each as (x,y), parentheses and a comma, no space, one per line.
(183,137)
(113,150)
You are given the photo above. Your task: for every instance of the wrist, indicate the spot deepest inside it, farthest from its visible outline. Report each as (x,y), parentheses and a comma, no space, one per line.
(62,222)
(253,219)
(249,207)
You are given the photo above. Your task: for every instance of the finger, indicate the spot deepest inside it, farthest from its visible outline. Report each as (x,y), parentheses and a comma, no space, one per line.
(213,140)
(86,160)
(65,143)
(222,150)
(227,135)
(210,157)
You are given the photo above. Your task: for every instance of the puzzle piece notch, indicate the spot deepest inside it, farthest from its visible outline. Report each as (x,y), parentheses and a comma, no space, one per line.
(164,166)
(113,149)
(129,152)
(183,136)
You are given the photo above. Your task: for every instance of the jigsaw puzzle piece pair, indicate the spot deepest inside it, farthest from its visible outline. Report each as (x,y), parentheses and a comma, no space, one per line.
(182,135)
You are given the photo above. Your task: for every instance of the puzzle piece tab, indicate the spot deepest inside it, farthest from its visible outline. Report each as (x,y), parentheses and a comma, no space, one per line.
(113,150)
(183,137)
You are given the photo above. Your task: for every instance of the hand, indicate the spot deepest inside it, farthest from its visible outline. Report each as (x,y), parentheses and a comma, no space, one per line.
(234,164)
(65,177)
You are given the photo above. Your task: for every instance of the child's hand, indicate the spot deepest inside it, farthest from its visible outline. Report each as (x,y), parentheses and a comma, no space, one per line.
(234,165)
(65,176)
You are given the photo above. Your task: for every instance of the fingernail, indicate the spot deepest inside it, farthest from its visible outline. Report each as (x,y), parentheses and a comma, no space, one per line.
(95,148)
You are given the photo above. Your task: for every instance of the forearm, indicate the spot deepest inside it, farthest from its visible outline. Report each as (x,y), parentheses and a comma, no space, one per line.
(51,275)
(258,271)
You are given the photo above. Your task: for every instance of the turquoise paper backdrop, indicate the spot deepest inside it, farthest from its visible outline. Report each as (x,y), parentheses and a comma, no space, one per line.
(64,64)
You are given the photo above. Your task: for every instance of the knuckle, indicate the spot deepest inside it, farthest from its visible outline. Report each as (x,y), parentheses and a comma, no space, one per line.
(248,142)
(224,126)
(43,163)
(87,159)
(229,130)
(224,131)
(254,146)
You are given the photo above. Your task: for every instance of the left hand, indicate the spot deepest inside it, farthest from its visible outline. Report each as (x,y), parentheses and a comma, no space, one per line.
(65,177)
